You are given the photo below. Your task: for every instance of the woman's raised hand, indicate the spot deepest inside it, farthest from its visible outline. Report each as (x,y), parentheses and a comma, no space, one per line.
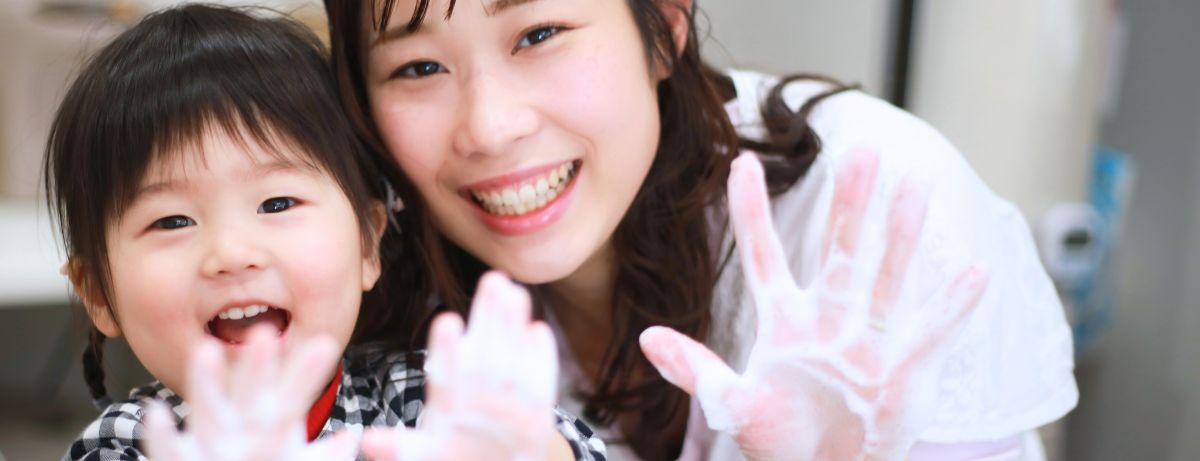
(247,409)
(490,390)
(846,368)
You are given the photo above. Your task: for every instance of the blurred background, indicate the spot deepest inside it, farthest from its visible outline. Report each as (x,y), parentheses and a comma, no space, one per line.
(1084,113)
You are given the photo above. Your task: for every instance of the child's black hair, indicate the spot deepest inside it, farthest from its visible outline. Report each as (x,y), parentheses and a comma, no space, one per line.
(161,86)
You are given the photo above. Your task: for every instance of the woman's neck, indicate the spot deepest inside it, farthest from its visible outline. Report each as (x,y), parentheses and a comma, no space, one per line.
(582,304)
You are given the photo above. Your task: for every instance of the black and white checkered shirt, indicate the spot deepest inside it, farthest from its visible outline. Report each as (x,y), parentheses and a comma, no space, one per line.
(377,389)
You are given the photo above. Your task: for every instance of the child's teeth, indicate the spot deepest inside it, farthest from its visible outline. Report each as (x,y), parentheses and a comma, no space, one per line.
(238,313)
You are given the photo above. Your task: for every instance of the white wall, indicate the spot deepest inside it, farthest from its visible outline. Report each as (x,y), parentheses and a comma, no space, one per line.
(39,58)
(1015,85)
(844,39)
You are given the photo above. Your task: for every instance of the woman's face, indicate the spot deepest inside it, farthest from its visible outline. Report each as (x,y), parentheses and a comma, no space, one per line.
(526,125)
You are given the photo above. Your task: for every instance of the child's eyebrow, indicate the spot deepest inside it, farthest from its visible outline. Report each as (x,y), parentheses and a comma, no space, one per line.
(499,6)
(405,31)
(258,171)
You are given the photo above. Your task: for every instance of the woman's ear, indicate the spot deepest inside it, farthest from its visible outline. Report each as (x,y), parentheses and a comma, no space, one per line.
(678,14)
(92,297)
(372,266)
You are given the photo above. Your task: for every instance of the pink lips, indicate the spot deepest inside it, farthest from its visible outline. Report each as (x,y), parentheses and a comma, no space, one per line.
(528,222)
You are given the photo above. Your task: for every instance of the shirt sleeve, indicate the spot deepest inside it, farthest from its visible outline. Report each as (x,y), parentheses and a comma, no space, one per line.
(585,445)
(115,436)
(1011,368)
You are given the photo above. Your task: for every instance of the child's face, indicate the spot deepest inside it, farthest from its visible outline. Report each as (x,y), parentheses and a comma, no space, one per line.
(225,237)
(487,111)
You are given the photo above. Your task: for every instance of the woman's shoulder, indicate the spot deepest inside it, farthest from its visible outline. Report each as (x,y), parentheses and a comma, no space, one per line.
(846,121)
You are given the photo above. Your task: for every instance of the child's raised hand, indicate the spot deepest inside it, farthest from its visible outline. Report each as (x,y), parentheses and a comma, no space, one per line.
(844,369)
(250,409)
(490,390)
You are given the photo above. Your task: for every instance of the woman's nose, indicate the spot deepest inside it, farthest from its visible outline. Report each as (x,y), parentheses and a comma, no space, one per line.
(493,116)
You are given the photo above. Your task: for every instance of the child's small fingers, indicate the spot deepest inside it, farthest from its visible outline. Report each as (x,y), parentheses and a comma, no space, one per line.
(342,446)
(206,394)
(163,441)
(393,444)
(301,373)
(255,366)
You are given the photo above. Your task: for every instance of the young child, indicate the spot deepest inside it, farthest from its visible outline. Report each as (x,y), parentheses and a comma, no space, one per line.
(213,201)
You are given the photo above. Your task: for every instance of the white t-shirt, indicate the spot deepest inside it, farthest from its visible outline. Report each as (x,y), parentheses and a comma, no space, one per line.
(1010,370)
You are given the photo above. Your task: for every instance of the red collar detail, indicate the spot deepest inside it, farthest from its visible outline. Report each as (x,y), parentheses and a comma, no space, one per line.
(319,414)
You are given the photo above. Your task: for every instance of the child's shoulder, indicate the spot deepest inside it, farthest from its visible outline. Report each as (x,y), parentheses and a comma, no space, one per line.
(384,386)
(117,433)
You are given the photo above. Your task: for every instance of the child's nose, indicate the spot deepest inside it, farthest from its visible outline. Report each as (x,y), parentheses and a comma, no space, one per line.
(229,253)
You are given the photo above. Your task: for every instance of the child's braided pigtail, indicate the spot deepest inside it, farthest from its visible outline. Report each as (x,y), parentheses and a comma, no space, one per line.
(93,369)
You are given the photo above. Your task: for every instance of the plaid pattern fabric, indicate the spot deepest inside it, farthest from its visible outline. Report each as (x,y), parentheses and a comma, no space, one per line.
(377,389)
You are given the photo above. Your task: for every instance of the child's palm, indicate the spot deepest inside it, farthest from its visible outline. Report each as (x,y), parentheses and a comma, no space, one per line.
(845,369)
(248,410)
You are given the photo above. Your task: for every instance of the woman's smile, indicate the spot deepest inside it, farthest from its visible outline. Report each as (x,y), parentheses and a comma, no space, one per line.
(526,201)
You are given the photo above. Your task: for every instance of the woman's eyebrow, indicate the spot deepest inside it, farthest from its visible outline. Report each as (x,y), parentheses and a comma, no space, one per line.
(401,32)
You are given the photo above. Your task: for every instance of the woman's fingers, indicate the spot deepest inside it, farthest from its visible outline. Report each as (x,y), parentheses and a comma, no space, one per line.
(853,186)
(499,315)
(758,245)
(949,311)
(541,371)
(684,362)
(442,367)
(905,220)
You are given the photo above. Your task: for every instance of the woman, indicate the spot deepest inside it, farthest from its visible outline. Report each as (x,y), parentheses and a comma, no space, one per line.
(583,147)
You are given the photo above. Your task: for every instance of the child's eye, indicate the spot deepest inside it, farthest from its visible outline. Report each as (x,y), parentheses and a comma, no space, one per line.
(173,222)
(418,69)
(276,205)
(537,35)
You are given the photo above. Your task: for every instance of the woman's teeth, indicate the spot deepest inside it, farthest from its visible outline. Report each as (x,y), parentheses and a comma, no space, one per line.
(238,313)
(529,196)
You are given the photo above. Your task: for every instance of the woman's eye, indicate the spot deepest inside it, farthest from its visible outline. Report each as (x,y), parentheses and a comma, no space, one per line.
(419,69)
(536,36)
(276,205)
(173,222)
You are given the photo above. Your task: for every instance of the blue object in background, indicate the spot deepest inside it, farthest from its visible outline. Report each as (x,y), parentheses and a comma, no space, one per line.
(1091,299)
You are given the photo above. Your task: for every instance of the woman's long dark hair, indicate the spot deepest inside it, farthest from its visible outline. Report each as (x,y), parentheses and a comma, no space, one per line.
(667,259)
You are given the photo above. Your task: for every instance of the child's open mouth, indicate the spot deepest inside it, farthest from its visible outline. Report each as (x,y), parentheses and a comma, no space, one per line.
(233,325)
